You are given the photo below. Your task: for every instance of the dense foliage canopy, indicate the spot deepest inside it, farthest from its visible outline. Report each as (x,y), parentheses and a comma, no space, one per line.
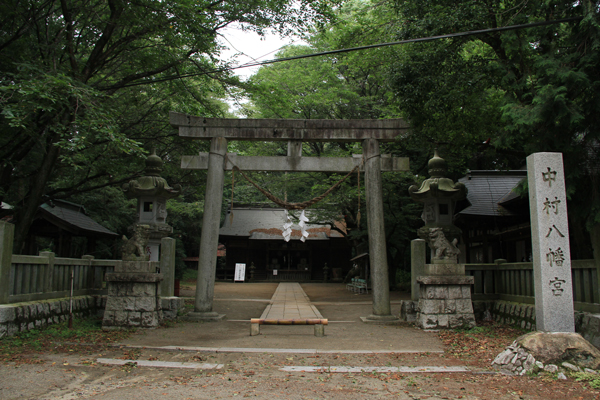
(497,97)
(84,86)
(486,101)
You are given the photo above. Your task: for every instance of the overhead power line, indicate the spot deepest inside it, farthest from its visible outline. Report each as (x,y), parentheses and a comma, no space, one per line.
(372,46)
(425,39)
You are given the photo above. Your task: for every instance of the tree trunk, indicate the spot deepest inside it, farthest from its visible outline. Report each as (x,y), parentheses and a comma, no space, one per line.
(24,216)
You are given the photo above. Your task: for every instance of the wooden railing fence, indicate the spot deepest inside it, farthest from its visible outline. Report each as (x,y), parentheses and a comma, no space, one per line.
(30,278)
(46,277)
(514,282)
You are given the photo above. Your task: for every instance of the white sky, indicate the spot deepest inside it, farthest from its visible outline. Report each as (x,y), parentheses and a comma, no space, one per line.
(253,47)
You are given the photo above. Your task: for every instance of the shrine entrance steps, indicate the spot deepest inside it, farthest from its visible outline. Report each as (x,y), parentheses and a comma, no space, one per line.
(290,306)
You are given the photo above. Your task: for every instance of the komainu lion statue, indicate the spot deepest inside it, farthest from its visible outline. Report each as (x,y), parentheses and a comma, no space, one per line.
(443,249)
(136,245)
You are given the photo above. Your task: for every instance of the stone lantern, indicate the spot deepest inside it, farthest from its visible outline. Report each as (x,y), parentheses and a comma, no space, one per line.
(135,290)
(152,192)
(439,196)
(444,289)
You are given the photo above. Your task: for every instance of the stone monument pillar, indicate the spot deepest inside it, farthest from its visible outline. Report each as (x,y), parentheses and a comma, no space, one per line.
(444,290)
(550,243)
(418,259)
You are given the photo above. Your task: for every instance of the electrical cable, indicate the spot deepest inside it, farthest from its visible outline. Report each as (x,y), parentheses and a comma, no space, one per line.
(372,46)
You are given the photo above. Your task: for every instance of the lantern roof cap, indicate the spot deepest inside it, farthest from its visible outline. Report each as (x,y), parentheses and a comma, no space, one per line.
(153,164)
(152,184)
(437,166)
(438,186)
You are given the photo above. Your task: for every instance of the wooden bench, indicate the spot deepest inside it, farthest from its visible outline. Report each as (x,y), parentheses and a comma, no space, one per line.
(289,306)
(357,285)
(319,324)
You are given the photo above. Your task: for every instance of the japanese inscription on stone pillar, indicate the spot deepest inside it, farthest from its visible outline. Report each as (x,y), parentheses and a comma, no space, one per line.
(550,243)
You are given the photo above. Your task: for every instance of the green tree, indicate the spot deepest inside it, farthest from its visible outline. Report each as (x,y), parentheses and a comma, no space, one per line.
(350,85)
(84,84)
(520,91)
(341,86)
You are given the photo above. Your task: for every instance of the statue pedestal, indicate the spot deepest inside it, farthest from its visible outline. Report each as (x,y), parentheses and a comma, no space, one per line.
(133,299)
(441,268)
(445,300)
(136,266)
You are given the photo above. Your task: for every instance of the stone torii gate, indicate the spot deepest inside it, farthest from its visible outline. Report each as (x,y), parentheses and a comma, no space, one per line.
(294,131)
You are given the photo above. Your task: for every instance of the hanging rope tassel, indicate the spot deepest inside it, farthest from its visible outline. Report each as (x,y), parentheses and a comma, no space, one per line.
(302,225)
(287,227)
(358,213)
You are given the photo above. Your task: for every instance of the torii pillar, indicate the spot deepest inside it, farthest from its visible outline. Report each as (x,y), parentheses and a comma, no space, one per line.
(219,130)
(209,241)
(375,225)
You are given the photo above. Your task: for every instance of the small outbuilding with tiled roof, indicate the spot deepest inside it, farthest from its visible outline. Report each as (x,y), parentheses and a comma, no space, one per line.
(494,218)
(61,222)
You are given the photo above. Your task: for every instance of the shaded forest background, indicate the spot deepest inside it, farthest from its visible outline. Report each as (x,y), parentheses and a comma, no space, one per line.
(86,87)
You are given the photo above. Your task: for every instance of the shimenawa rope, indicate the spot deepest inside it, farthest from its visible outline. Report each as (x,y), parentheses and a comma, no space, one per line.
(294,206)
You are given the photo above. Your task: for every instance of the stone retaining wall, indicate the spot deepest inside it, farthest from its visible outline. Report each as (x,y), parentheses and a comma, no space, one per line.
(21,317)
(506,312)
(523,316)
(588,325)
(516,314)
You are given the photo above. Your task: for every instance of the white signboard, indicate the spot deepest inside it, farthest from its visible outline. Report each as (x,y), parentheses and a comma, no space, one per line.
(240,273)
(274,272)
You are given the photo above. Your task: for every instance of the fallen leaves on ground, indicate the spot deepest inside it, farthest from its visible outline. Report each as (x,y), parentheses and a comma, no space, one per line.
(481,344)
(86,336)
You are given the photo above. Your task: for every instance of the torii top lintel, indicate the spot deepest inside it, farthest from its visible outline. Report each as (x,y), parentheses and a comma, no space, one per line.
(318,130)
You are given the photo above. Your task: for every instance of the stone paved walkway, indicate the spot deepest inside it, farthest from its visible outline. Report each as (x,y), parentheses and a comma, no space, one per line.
(344,333)
(290,302)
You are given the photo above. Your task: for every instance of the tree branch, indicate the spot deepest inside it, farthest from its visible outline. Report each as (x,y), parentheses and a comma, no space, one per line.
(69,30)
(95,56)
(73,190)
(146,74)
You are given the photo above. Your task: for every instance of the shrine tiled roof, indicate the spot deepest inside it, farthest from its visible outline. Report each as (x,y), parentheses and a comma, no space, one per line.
(490,191)
(72,217)
(266,223)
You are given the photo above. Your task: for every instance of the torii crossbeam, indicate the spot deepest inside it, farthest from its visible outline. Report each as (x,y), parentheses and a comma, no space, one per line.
(217,161)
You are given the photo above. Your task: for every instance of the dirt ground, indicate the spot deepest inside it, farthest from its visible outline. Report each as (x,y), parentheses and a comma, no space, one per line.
(77,374)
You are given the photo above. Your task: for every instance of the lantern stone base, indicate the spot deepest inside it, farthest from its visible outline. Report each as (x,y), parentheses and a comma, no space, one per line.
(445,302)
(132,301)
